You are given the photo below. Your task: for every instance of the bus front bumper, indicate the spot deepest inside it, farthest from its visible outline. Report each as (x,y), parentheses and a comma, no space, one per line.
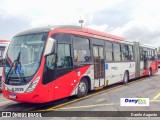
(29,97)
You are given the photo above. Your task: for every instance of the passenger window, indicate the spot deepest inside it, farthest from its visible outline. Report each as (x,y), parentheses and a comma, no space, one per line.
(117,52)
(108,51)
(81,49)
(125,52)
(141,54)
(149,54)
(130,57)
(101,52)
(95,51)
(64,58)
(153,55)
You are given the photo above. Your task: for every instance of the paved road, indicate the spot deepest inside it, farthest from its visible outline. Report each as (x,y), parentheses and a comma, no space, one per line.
(107,99)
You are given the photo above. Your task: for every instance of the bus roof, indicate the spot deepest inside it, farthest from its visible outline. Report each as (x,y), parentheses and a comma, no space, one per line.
(73,28)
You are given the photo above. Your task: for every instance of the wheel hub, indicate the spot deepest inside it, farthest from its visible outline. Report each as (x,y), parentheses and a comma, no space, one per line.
(82,87)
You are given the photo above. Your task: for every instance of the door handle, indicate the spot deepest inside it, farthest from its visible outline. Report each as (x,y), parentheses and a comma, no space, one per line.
(56,87)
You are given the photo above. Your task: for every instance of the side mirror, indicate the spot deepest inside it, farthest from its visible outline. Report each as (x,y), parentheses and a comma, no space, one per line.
(50,46)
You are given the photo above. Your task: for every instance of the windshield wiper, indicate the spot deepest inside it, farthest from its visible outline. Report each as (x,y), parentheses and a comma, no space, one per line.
(18,68)
(9,72)
(17,64)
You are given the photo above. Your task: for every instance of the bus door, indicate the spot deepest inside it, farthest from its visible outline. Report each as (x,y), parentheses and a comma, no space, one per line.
(64,80)
(98,66)
(64,83)
(145,60)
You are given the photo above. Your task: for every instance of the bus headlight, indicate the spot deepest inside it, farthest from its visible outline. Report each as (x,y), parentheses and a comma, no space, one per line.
(33,85)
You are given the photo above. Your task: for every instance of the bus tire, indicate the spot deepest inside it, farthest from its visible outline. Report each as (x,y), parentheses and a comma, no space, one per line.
(82,88)
(150,72)
(126,77)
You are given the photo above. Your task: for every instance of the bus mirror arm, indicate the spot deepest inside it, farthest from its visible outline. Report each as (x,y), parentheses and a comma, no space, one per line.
(50,46)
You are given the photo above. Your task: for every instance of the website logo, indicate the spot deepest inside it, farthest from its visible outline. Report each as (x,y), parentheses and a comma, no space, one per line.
(6,114)
(134,101)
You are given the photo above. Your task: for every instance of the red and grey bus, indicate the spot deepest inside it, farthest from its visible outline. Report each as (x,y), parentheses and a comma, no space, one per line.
(54,62)
(3,47)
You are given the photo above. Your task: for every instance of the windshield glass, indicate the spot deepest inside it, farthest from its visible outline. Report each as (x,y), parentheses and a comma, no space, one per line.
(24,55)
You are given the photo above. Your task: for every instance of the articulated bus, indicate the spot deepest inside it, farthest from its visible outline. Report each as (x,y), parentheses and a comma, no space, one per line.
(54,62)
(3,47)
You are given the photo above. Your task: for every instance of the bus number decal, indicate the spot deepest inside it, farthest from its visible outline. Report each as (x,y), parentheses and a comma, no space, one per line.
(19,89)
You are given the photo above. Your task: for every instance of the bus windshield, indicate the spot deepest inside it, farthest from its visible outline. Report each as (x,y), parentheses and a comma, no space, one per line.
(24,55)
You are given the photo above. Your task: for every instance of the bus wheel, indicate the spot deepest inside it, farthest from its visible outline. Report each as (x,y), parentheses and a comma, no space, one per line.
(126,77)
(82,88)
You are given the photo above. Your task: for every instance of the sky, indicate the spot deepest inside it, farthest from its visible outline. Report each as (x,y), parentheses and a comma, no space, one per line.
(135,20)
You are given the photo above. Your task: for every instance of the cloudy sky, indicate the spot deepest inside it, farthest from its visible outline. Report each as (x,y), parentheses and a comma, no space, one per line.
(137,20)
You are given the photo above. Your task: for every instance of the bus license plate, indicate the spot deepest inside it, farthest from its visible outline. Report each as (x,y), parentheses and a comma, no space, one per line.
(13,96)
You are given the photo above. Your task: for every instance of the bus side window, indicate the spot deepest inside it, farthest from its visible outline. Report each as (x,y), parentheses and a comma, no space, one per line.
(109,51)
(130,57)
(153,55)
(50,62)
(149,54)
(64,58)
(141,54)
(81,49)
(117,52)
(50,59)
(125,53)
